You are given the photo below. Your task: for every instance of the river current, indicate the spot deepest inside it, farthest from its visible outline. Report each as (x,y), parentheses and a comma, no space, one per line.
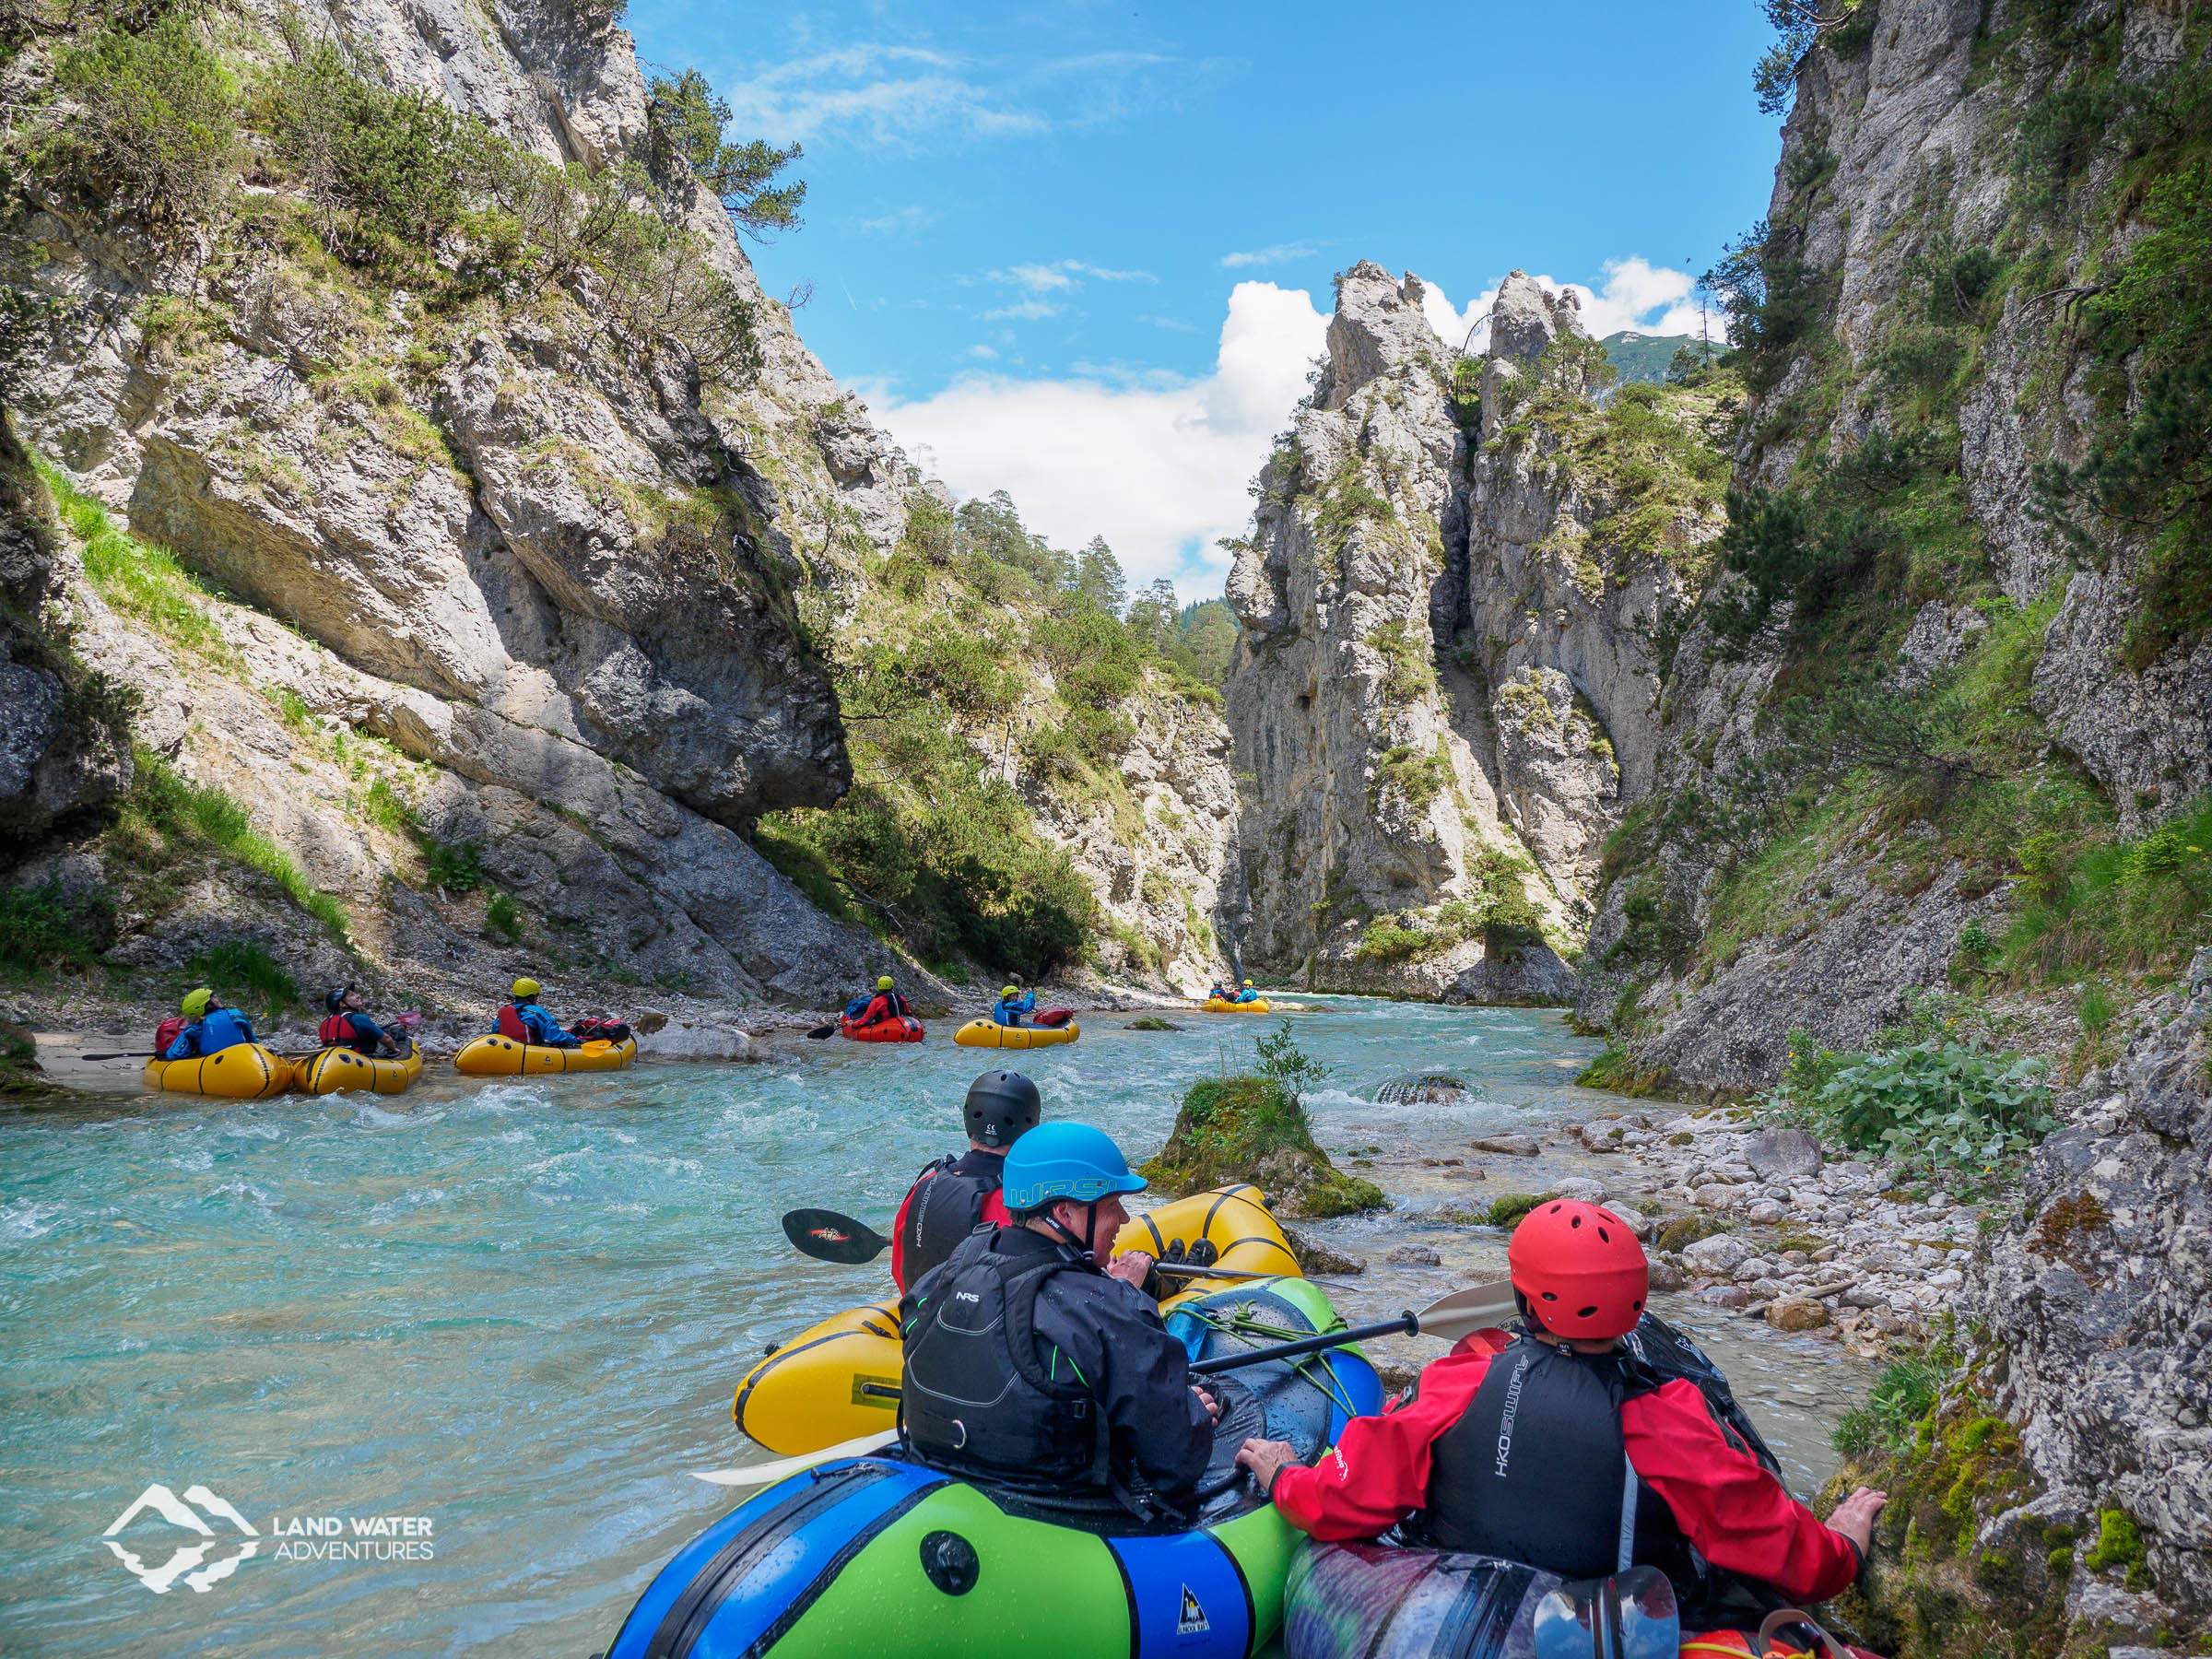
(513,1313)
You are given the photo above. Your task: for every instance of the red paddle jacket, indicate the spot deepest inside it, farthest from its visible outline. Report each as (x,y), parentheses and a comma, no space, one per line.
(1736,1514)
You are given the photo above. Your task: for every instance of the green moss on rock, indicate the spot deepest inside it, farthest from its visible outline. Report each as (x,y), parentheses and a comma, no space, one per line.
(1253,1128)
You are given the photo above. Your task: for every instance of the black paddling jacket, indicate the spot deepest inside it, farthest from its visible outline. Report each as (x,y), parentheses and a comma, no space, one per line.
(949,1200)
(1027,1366)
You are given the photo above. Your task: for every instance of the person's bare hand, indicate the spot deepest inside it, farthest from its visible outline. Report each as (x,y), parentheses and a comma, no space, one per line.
(1213,1406)
(1266,1459)
(1130,1267)
(1855,1516)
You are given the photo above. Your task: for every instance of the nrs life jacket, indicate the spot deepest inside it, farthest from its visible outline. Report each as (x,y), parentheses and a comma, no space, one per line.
(975,1400)
(947,1206)
(511,1024)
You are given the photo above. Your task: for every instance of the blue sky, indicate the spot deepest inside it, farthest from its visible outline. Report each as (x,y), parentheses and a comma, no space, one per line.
(1082,252)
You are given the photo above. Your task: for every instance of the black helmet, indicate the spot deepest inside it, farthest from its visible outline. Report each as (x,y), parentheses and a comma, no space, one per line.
(336,997)
(1002,1106)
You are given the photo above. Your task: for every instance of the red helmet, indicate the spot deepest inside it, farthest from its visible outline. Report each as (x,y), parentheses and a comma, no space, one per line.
(1578,1269)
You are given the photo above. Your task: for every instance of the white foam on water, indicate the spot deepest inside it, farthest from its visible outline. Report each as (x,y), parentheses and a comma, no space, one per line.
(252,1131)
(24,1220)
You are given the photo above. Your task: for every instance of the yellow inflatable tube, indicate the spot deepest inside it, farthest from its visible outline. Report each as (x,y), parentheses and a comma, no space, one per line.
(244,1071)
(1233,1222)
(989,1033)
(340,1070)
(1215,1005)
(833,1381)
(497,1056)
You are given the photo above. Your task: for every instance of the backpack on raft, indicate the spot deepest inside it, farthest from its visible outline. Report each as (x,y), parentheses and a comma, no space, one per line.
(600,1031)
(858,1006)
(167,1032)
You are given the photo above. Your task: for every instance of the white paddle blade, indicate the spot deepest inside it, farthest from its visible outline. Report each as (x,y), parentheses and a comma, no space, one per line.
(768,1474)
(1478,1307)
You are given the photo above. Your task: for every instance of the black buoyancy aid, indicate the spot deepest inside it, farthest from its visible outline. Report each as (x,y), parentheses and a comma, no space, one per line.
(948,1207)
(1537,1469)
(975,1400)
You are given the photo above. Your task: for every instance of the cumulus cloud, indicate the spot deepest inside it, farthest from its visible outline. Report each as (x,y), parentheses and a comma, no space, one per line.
(880,93)
(1636,295)
(1276,254)
(1157,464)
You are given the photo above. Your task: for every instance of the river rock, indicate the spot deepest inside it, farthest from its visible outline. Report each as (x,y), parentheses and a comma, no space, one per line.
(1765,1211)
(1507,1145)
(1783,1153)
(1796,1314)
(1316,1259)
(1721,1253)
(682,1039)
(1667,1275)
(1414,1255)
(1579,1188)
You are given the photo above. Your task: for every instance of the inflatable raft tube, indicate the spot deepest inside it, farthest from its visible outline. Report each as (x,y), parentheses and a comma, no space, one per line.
(1227,1227)
(907,1030)
(340,1071)
(883,1557)
(839,1380)
(1215,1005)
(497,1056)
(244,1071)
(989,1033)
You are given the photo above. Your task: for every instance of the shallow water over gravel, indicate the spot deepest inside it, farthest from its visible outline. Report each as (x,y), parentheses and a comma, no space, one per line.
(519,1309)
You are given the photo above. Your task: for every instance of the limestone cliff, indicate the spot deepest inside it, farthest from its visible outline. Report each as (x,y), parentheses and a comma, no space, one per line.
(1445,688)
(501,578)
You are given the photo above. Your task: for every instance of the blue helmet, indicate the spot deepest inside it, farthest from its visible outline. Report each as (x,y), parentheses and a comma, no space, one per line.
(1065,1161)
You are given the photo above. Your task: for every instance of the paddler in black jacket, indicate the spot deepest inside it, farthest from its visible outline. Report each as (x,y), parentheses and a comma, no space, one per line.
(1033,1359)
(955,1196)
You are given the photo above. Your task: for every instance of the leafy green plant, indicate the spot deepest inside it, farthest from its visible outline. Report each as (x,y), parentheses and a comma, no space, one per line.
(1937,1103)
(204,814)
(388,809)
(503,918)
(47,926)
(1281,1059)
(451,866)
(240,964)
(1904,1394)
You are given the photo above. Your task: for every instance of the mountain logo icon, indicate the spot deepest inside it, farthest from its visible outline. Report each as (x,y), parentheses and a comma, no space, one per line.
(188,1561)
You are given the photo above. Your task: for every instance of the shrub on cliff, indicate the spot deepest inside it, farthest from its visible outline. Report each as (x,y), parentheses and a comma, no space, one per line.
(154,127)
(1250,1126)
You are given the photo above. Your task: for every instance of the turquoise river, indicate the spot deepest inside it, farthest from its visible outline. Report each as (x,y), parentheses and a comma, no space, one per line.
(514,1312)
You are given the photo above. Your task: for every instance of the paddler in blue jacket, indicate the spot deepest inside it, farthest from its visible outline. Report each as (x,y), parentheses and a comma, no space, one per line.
(214,1027)
(1013,1004)
(521,1020)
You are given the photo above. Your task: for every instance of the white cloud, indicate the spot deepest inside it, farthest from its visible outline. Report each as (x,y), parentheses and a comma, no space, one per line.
(1037,278)
(1637,294)
(981,350)
(904,218)
(1156,465)
(885,94)
(1024,310)
(1274,256)
(1104,274)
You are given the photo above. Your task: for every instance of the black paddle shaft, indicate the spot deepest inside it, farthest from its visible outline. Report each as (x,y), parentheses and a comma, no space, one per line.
(1406,1325)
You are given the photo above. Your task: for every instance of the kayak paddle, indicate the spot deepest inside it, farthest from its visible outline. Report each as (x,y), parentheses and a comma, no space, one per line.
(1452,1317)
(829,1237)
(821,1032)
(768,1473)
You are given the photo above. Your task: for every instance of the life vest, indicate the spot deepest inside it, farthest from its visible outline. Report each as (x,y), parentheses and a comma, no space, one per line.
(511,1024)
(338,1031)
(974,1400)
(947,1206)
(222,1028)
(1536,1470)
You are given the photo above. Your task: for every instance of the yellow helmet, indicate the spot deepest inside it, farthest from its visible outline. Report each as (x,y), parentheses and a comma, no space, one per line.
(884,984)
(1247,984)
(195,1002)
(527,987)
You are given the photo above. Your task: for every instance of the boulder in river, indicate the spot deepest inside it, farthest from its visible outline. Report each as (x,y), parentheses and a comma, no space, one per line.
(1507,1145)
(1796,1314)
(1783,1153)
(1253,1128)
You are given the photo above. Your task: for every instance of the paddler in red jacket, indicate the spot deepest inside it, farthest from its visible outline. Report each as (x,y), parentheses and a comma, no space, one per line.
(1558,1449)
(957,1194)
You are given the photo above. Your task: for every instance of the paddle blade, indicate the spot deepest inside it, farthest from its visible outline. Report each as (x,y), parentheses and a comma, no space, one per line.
(821,1033)
(768,1474)
(1462,1314)
(829,1237)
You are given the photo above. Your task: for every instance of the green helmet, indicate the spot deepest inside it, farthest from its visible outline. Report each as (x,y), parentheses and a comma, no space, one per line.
(883,983)
(1008,991)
